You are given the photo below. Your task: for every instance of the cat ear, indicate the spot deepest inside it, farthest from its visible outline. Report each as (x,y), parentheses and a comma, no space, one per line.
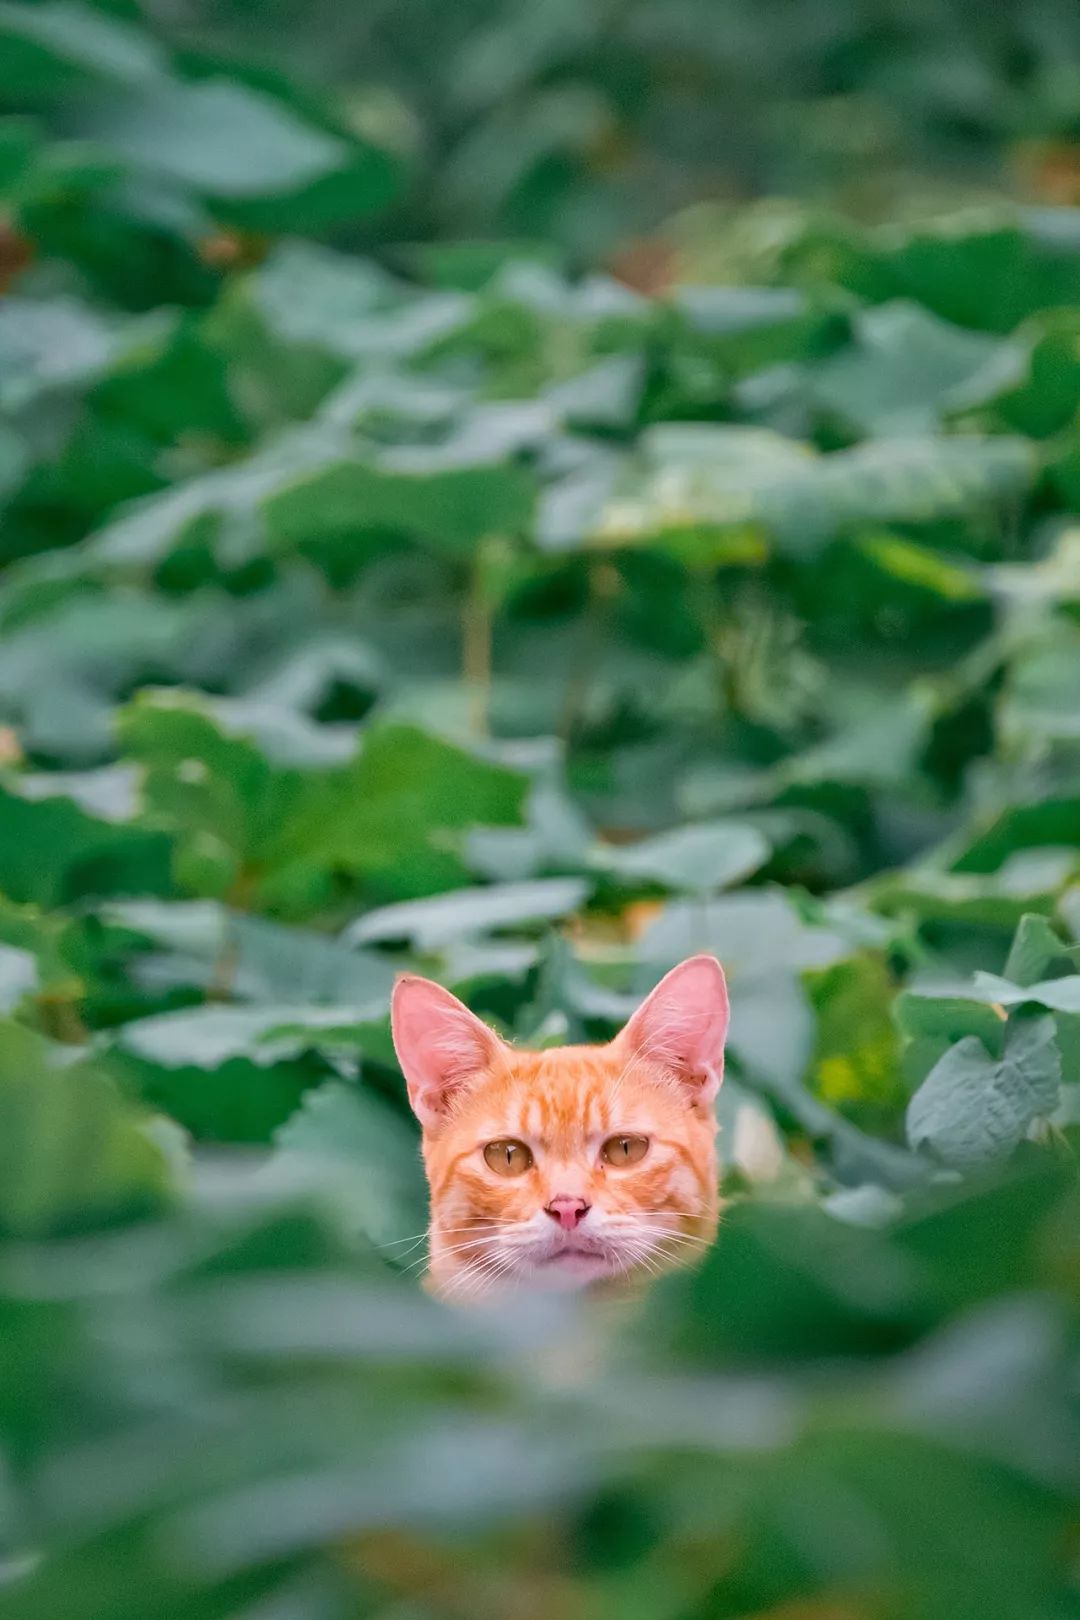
(682,1026)
(440,1044)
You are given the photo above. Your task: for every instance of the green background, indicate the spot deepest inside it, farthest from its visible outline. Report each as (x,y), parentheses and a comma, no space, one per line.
(525,492)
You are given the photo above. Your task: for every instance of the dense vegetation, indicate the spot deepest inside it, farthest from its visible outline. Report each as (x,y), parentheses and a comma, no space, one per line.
(446,606)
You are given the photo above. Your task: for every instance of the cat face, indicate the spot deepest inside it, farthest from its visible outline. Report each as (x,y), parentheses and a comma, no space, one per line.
(561,1168)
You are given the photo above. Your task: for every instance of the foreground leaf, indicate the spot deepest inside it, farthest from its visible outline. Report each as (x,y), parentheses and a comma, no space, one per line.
(73,1155)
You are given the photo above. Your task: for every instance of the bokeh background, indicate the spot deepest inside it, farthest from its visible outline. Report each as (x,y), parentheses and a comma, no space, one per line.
(526,491)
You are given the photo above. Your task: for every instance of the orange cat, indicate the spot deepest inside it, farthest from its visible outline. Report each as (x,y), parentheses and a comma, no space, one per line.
(562,1168)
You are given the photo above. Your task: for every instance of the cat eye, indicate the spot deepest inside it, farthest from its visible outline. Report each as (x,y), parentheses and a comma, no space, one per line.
(508,1158)
(622,1150)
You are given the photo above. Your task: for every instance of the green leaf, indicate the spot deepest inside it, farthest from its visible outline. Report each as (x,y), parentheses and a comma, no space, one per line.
(724,479)
(1059,995)
(227,802)
(448,918)
(692,860)
(1033,388)
(201,943)
(904,373)
(207,1037)
(399,813)
(52,345)
(451,510)
(945,1016)
(52,852)
(855,1065)
(349,1137)
(222,138)
(53,43)
(1035,946)
(235,1074)
(973,1108)
(978,268)
(73,1156)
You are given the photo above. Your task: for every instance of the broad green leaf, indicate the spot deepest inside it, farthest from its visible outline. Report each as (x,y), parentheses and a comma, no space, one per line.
(201,943)
(973,1108)
(1027,879)
(52,852)
(1038,706)
(58,41)
(1035,946)
(1058,995)
(758,930)
(451,510)
(225,503)
(223,138)
(207,1037)
(236,1073)
(398,814)
(979,268)
(51,345)
(903,372)
(690,860)
(446,919)
(73,1155)
(351,1138)
(1050,823)
(730,478)
(1033,389)
(217,792)
(947,1014)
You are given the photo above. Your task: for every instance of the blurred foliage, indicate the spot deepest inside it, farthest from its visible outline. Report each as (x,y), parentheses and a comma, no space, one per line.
(447,607)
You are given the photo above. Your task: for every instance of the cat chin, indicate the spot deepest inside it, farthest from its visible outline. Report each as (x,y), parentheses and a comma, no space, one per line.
(566,1269)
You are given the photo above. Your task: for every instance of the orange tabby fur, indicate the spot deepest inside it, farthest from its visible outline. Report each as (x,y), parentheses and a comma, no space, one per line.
(656,1080)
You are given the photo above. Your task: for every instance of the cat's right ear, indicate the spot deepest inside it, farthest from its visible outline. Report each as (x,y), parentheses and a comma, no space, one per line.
(442,1047)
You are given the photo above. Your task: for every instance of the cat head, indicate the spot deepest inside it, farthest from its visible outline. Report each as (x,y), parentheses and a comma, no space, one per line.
(563,1167)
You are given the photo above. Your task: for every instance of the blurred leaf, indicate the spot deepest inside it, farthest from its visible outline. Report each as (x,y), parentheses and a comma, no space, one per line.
(448,918)
(396,815)
(51,851)
(54,40)
(52,345)
(705,479)
(370,1153)
(222,138)
(695,860)
(72,1155)
(855,1066)
(450,509)
(1035,946)
(903,372)
(200,943)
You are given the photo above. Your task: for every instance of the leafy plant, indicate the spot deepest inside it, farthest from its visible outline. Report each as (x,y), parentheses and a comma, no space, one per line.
(366,608)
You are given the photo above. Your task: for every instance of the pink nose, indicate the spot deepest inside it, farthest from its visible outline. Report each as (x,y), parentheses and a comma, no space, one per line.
(569,1212)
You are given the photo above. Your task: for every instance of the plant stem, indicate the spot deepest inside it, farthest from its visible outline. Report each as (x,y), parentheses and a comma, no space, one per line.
(476,635)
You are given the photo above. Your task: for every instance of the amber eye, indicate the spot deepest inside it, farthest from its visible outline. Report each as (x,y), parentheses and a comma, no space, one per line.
(508,1158)
(620,1150)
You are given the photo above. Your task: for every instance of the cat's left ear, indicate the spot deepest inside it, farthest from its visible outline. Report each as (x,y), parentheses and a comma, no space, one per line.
(682,1026)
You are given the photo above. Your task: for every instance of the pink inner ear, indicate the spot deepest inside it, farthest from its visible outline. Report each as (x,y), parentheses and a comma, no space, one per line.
(440,1045)
(683,1024)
